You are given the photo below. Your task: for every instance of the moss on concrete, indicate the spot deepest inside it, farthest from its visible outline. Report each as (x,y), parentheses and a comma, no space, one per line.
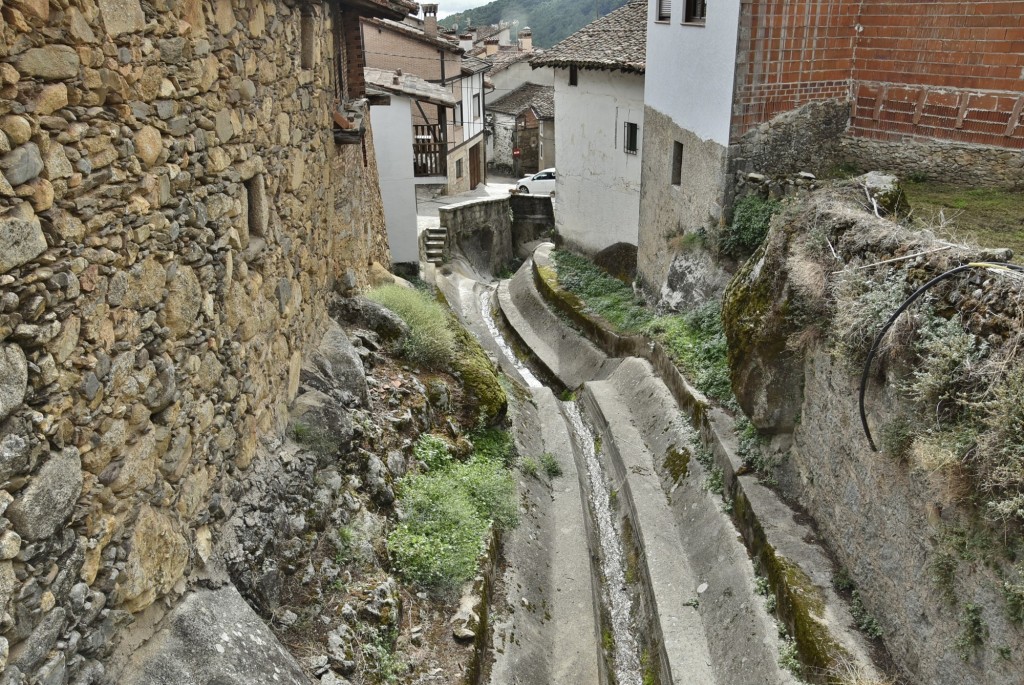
(677,463)
(479,377)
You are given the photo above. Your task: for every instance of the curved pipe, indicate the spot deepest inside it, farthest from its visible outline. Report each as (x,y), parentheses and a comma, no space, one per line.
(991,266)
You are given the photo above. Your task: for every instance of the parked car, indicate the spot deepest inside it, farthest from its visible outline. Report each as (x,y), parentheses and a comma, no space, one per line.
(542,182)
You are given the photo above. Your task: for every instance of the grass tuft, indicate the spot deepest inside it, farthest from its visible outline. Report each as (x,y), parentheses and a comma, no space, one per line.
(431,340)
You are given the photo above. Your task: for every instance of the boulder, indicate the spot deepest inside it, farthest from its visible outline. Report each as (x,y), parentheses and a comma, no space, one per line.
(213,636)
(376,317)
(22,164)
(50,496)
(337,361)
(50,62)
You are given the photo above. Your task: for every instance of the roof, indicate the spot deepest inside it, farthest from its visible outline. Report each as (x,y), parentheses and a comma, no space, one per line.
(506,56)
(474,65)
(618,40)
(528,95)
(394,8)
(415,34)
(408,85)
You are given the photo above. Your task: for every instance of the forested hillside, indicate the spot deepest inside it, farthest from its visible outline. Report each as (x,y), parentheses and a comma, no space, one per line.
(551,20)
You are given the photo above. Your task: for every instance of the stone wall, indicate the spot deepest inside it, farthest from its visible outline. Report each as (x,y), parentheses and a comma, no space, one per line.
(489,232)
(674,216)
(174,214)
(937,160)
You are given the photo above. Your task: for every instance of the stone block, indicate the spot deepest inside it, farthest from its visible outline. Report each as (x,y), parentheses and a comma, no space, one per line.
(122,16)
(155,563)
(21,164)
(13,378)
(49,497)
(49,63)
(22,238)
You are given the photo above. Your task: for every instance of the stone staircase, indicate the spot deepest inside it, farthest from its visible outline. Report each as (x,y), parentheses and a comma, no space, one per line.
(435,245)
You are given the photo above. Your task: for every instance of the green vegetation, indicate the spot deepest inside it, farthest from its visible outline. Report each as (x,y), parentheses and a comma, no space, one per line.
(550,465)
(973,632)
(431,340)
(865,305)
(447,513)
(750,220)
(695,341)
(434,451)
(529,466)
(1013,593)
(677,463)
(714,482)
(380,660)
(550,20)
(789,657)
(990,217)
(753,450)
(864,620)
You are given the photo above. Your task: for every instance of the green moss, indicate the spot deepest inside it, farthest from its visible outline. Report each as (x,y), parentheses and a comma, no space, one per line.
(677,463)
(479,377)
(751,217)
(973,632)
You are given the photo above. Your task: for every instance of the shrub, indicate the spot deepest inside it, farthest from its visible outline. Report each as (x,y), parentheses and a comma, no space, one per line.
(947,358)
(491,489)
(750,220)
(999,459)
(431,340)
(530,467)
(863,307)
(433,451)
(550,465)
(494,445)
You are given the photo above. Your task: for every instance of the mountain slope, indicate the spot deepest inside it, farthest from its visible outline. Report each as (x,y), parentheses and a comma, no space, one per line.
(550,20)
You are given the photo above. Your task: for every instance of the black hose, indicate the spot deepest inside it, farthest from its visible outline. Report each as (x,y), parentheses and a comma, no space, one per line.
(995,266)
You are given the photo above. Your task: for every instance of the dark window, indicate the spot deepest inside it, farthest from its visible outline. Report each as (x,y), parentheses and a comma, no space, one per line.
(664,10)
(677,164)
(574,75)
(695,11)
(476,107)
(458,168)
(630,140)
(306,29)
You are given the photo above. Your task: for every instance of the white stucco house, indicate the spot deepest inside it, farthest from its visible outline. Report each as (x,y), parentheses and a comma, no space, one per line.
(599,120)
(395,97)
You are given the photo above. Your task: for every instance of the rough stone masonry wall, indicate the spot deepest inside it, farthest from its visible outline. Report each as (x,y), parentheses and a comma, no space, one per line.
(174,214)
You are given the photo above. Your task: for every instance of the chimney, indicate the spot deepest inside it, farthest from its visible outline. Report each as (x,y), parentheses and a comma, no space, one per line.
(429,19)
(490,46)
(526,39)
(466,41)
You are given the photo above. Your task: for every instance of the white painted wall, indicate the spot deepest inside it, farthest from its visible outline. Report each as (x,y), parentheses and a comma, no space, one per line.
(597,198)
(690,69)
(507,80)
(393,147)
(474,125)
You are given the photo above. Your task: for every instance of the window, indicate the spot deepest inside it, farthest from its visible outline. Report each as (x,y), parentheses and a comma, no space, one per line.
(476,106)
(695,11)
(574,75)
(630,139)
(458,114)
(677,164)
(664,10)
(458,168)
(306,29)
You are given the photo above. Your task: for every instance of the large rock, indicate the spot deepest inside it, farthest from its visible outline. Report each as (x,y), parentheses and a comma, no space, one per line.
(339,364)
(21,236)
(885,192)
(50,496)
(376,317)
(184,300)
(22,164)
(155,563)
(122,16)
(148,145)
(213,638)
(50,62)
(13,378)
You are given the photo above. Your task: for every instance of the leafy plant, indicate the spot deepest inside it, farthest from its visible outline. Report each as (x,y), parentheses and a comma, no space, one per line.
(433,451)
(529,466)
(973,632)
(750,220)
(789,657)
(550,465)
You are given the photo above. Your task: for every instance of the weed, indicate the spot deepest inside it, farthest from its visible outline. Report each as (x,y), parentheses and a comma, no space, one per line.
(947,356)
(597,444)
(865,621)
(1013,593)
(567,396)
(753,450)
(343,544)
(789,658)
(714,482)
(431,339)
(842,582)
(973,632)
(897,438)
(761,586)
(607,640)
(529,466)
(943,573)
(1004,652)
(380,659)
(751,218)
(550,465)
(695,603)
(433,450)
(493,444)
(864,305)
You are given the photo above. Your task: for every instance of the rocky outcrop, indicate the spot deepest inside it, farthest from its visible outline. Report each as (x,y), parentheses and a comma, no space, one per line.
(174,214)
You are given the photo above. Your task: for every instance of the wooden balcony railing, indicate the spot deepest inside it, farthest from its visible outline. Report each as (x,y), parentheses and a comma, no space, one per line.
(429,150)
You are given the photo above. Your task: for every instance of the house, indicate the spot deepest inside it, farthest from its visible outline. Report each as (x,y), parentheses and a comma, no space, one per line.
(738,86)
(448,142)
(395,98)
(523,126)
(599,110)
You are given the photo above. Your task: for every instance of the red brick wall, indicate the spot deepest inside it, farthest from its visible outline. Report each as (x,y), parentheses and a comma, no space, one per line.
(913,68)
(946,70)
(791,52)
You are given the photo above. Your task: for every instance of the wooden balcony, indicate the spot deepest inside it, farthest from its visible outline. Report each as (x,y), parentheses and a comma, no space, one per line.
(429,150)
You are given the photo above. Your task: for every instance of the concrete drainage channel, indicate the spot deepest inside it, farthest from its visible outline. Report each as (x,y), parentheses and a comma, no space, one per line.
(643,578)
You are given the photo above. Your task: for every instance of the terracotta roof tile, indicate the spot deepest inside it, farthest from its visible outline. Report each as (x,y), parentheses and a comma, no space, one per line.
(617,40)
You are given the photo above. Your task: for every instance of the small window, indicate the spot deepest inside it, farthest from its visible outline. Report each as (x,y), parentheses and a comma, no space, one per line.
(677,164)
(476,107)
(574,75)
(458,114)
(306,30)
(458,168)
(695,11)
(630,140)
(664,10)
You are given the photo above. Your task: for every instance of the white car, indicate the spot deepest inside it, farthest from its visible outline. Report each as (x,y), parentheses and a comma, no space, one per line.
(541,183)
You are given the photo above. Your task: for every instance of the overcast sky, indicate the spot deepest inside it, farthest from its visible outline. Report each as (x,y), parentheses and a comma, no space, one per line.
(446,7)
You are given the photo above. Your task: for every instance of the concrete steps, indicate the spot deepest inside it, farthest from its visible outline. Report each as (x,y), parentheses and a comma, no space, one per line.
(547,632)
(701,589)
(562,352)
(435,242)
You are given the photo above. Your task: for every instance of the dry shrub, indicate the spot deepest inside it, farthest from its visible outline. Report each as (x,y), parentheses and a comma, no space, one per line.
(850,673)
